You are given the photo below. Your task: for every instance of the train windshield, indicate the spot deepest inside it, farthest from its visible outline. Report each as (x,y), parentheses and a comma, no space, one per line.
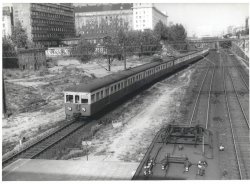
(84,101)
(69,98)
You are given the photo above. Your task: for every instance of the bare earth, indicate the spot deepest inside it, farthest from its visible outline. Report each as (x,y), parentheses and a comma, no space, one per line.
(35,99)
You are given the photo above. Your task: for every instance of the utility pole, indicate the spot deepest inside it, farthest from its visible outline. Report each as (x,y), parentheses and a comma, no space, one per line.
(124,56)
(4,101)
(109,62)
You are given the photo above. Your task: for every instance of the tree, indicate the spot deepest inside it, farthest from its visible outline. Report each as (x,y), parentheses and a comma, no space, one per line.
(8,47)
(19,35)
(83,50)
(7,44)
(161,30)
(177,33)
(121,37)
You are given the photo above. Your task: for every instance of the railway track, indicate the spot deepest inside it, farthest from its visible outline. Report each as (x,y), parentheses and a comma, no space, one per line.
(242,73)
(239,126)
(157,148)
(36,148)
(205,88)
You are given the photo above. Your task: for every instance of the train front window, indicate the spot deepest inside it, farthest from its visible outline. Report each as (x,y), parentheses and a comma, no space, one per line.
(77,98)
(69,98)
(84,101)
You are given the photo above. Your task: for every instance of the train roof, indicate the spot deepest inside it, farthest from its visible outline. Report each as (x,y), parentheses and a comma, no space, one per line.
(109,79)
(112,78)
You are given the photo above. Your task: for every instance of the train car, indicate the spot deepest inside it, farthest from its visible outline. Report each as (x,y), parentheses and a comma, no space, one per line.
(89,99)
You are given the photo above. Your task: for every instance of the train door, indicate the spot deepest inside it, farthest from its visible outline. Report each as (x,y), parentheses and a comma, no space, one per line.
(77,101)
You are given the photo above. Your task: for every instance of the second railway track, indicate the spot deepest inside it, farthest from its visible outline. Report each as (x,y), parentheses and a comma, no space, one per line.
(39,146)
(239,126)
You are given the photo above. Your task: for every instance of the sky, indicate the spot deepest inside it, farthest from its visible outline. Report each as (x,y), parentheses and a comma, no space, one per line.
(200,17)
(206,19)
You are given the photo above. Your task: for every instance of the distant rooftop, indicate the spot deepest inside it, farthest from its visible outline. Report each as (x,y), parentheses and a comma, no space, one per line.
(104,7)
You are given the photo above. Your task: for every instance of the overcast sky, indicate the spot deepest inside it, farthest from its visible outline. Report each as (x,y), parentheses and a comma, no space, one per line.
(201,19)
(206,19)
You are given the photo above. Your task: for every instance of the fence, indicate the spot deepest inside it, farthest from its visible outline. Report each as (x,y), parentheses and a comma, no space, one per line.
(95,51)
(36,58)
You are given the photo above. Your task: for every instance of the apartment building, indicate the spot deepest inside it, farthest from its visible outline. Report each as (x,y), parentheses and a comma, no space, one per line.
(146,16)
(46,23)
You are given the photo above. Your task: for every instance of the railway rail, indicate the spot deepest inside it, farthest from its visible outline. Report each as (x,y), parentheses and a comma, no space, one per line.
(157,148)
(198,101)
(36,148)
(242,73)
(239,125)
(209,93)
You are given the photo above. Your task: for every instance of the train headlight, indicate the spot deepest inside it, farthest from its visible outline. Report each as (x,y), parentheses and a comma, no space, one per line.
(83,109)
(69,108)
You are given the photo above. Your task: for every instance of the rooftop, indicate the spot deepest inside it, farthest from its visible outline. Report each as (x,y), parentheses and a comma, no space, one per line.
(104,7)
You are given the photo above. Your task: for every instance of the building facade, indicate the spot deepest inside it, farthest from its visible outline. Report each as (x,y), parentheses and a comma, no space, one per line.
(103,20)
(46,23)
(146,16)
(7,20)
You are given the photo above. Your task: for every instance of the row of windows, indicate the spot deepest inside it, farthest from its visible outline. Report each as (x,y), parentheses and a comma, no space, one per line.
(50,8)
(122,84)
(77,99)
(51,15)
(51,35)
(139,12)
(96,96)
(52,22)
(47,43)
(186,57)
(54,29)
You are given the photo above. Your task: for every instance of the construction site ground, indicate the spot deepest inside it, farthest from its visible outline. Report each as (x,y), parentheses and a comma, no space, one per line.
(35,101)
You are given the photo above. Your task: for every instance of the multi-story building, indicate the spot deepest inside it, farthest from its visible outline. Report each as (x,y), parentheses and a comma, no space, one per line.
(7,20)
(146,16)
(46,23)
(103,19)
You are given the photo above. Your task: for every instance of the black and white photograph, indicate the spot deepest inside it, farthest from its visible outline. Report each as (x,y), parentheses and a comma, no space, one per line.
(134,90)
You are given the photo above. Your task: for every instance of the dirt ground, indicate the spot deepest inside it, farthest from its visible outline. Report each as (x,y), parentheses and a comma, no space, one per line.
(35,98)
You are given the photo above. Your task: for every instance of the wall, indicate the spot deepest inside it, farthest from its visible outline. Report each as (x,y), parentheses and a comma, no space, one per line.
(31,59)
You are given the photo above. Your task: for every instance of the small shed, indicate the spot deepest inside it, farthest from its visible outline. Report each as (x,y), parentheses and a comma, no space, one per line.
(31,59)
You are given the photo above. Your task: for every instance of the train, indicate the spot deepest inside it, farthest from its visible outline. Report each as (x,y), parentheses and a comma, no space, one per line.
(86,100)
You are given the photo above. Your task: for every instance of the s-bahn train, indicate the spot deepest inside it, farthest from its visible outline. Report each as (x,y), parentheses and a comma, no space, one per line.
(88,99)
